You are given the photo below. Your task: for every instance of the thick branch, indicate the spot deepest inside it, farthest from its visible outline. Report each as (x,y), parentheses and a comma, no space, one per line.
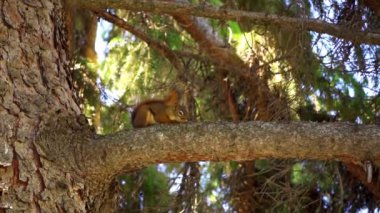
(128,150)
(178,8)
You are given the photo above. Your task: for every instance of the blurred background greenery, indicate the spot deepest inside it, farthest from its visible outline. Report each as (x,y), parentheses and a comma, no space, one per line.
(291,74)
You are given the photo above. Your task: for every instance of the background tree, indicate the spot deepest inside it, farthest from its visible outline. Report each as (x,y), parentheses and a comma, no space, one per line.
(278,65)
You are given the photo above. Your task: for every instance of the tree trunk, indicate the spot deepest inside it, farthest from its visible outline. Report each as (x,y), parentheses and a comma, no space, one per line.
(34,87)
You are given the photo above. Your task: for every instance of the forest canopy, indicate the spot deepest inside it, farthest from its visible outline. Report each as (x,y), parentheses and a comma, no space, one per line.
(239,61)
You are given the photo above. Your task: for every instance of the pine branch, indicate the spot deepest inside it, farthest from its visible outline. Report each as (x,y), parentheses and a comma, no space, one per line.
(128,150)
(159,46)
(180,8)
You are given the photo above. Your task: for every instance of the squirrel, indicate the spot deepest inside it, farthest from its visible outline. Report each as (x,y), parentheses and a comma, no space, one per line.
(151,112)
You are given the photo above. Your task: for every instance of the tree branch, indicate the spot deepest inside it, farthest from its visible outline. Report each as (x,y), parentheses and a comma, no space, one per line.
(358,172)
(159,46)
(129,150)
(180,8)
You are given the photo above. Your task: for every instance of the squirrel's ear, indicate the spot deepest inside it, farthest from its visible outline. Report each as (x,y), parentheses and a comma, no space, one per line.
(172,99)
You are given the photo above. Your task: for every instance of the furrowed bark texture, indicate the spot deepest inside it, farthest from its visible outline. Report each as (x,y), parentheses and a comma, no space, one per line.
(180,8)
(34,86)
(128,150)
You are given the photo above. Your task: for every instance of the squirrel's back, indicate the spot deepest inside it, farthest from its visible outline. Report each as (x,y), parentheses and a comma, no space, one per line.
(159,111)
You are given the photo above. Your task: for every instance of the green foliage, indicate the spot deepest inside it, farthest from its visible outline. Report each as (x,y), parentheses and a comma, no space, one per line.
(322,78)
(213,190)
(114,118)
(155,188)
(148,186)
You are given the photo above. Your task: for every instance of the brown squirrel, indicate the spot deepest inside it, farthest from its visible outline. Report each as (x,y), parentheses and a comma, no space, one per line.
(159,111)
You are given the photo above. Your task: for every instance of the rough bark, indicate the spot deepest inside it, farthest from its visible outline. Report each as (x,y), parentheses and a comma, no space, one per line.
(100,158)
(180,8)
(34,85)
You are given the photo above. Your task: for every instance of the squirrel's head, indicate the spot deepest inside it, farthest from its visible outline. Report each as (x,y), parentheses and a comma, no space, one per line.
(178,113)
(175,111)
